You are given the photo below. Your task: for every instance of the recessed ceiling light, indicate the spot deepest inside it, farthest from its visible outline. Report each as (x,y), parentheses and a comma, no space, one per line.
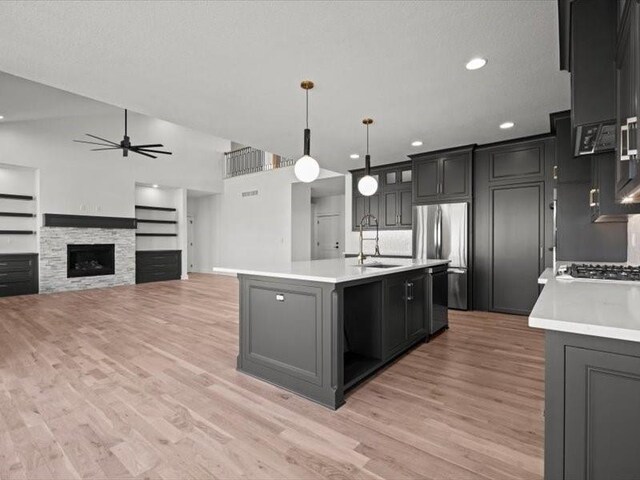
(476,63)
(354,156)
(1,117)
(506,125)
(155,185)
(416,143)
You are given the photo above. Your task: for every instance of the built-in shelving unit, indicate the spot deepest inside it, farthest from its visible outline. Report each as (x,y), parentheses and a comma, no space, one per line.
(156,234)
(17,214)
(167,222)
(17,232)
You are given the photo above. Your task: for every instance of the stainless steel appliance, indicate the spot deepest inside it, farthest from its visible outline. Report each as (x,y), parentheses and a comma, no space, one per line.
(441,232)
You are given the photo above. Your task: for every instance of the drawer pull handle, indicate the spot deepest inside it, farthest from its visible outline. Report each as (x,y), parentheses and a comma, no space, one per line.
(279,297)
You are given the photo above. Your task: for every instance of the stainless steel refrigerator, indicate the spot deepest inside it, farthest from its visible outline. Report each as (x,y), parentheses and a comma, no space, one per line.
(441,231)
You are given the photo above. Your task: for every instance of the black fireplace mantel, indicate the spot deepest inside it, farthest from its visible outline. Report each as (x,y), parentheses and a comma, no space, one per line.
(87,221)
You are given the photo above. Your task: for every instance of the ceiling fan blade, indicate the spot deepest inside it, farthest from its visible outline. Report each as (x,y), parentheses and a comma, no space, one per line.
(93,143)
(154,151)
(103,139)
(148,146)
(108,148)
(142,153)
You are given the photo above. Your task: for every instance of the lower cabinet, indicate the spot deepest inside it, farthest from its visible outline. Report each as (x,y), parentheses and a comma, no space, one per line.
(158,265)
(405,317)
(18,274)
(592,408)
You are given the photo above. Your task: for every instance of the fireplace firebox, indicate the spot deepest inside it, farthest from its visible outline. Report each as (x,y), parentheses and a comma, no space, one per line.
(90,260)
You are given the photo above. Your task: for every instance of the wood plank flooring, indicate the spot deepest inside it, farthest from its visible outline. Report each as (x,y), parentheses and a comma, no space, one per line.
(140,382)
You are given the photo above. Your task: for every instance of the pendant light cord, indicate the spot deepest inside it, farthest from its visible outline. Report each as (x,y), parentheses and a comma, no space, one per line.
(367,139)
(125,122)
(307,99)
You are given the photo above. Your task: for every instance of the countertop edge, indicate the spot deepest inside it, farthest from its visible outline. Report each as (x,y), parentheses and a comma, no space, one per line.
(323,279)
(585,329)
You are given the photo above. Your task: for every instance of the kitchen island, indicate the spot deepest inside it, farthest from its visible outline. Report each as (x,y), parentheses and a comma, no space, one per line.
(592,377)
(320,327)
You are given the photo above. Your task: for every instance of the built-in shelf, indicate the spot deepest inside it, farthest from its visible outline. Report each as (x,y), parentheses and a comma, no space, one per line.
(16,214)
(357,367)
(17,232)
(156,234)
(145,220)
(159,209)
(11,196)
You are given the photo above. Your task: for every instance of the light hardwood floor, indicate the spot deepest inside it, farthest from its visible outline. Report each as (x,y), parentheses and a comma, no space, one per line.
(140,382)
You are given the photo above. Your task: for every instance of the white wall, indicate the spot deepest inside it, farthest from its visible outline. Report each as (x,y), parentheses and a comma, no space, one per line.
(392,242)
(74,180)
(257,229)
(633,243)
(301,222)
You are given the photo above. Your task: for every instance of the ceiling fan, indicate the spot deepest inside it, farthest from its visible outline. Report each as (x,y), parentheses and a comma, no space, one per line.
(125,144)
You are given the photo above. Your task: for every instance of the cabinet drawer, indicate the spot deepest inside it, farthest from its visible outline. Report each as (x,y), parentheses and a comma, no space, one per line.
(20,264)
(158,259)
(13,277)
(17,288)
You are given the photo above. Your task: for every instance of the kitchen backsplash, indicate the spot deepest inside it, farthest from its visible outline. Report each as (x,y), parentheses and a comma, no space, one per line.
(392,242)
(633,240)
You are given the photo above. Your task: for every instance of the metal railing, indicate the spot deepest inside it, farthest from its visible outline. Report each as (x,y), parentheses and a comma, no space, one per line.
(251,160)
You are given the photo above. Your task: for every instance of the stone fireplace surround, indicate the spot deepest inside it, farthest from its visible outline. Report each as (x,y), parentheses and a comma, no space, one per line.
(53,251)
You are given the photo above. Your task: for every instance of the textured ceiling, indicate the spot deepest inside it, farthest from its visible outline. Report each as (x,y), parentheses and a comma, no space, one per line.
(233,69)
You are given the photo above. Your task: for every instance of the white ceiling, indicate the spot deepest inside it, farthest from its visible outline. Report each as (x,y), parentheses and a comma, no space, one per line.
(233,69)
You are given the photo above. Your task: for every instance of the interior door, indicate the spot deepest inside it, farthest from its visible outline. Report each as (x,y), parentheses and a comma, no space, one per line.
(516,246)
(328,241)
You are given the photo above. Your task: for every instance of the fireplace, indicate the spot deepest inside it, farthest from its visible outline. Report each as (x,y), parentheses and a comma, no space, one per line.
(90,260)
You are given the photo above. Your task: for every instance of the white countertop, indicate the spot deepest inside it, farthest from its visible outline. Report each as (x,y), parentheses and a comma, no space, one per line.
(546,276)
(597,308)
(331,271)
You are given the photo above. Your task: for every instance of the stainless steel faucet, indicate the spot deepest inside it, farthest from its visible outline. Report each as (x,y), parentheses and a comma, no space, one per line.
(376,252)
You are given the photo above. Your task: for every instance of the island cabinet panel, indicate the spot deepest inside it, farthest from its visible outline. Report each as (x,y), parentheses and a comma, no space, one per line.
(395,318)
(592,421)
(286,336)
(416,306)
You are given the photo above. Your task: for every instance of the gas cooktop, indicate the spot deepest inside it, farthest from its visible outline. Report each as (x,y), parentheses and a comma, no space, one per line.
(624,273)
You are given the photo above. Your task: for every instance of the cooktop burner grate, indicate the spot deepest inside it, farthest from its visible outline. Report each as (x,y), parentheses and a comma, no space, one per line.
(604,272)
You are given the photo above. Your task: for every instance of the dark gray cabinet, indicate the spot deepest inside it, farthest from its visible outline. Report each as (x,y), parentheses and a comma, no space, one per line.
(568,168)
(512,223)
(592,408)
(602,195)
(158,265)
(627,98)
(391,204)
(442,176)
(406,313)
(18,274)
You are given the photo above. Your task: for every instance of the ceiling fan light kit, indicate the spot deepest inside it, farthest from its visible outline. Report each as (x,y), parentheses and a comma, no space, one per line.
(367,185)
(146,150)
(307,168)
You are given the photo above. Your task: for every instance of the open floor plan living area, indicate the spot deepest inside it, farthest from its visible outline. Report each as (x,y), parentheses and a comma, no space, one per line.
(373,240)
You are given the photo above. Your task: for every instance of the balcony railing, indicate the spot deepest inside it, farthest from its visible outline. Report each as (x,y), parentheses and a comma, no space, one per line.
(251,160)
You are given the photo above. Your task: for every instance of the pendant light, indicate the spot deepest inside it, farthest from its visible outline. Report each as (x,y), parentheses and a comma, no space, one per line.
(367,185)
(307,168)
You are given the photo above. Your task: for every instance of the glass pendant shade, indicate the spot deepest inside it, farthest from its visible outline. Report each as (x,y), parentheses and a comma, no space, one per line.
(306,169)
(367,185)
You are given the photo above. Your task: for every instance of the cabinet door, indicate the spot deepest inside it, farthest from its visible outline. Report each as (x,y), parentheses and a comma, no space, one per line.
(416,307)
(627,83)
(602,414)
(516,246)
(360,207)
(390,209)
(455,176)
(426,180)
(404,208)
(375,209)
(395,323)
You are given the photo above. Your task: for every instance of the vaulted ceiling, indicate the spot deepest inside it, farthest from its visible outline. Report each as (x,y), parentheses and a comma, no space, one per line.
(233,69)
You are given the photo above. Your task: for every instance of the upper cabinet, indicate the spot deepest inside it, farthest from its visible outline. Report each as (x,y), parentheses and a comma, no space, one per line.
(442,176)
(391,204)
(627,95)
